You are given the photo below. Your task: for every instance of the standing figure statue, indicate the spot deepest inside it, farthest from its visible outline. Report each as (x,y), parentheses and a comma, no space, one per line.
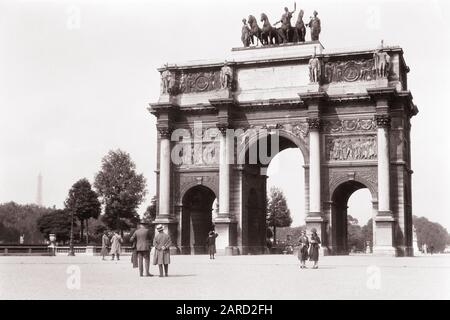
(167,81)
(314,69)
(314,24)
(255,30)
(286,24)
(268,33)
(245,36)
(300,29)
(381,63)
(226,76)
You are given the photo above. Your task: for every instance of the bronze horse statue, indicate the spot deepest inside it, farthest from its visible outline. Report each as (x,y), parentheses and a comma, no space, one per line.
(269,34)
(255,30)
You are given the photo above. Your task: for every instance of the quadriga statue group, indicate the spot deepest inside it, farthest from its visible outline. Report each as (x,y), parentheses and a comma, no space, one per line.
(270,34)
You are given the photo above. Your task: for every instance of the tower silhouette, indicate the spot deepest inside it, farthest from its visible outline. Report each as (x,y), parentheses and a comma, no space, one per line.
(39,191)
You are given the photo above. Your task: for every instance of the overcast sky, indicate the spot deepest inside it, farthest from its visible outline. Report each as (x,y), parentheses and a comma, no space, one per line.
(76,78)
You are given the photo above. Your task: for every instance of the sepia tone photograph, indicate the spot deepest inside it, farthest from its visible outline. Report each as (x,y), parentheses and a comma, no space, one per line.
(224,150)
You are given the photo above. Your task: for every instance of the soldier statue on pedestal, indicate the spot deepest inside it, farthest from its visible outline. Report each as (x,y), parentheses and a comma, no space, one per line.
(314,24)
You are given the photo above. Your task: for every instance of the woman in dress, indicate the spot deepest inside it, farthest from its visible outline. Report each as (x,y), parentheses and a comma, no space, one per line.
(105,244)
(161,256)
(314,249)
(303,243)
(116,246)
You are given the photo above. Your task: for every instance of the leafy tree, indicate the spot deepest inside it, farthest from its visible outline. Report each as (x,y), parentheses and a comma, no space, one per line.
(430,233)
(57,222)
(278,213)
(150,213)
(367,231)
(22,220)
(121,190)
(83,202)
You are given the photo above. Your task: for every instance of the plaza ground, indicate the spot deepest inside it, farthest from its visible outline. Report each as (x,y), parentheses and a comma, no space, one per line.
(227,277)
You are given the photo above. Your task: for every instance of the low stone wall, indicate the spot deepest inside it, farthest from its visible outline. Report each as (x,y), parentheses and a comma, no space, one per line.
(44,250)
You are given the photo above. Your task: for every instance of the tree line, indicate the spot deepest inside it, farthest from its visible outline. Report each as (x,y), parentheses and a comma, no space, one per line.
(117,187)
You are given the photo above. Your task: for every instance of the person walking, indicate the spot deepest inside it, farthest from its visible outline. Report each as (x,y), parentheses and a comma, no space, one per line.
(303,243)
(211,243)
(105,244)
(161,257)
(314,249)
(134,255)
(116,245)
(142,238)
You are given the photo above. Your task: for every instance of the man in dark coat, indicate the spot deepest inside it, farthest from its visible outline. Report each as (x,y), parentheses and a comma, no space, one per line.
(211,243)
(142,236)
(162,244)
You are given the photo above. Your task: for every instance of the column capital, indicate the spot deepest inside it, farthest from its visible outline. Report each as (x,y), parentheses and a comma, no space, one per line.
(383,120)
(165,132)
(314,124)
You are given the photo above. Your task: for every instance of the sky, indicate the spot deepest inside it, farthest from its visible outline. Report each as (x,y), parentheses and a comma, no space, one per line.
(76,78)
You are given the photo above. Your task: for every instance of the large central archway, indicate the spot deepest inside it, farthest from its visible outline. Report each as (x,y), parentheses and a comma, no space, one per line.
(259,152)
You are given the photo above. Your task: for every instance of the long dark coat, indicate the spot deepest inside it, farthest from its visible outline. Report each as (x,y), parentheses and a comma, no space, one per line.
(314,249)
(303,243)
(161,256)
(105,244)
(211,243)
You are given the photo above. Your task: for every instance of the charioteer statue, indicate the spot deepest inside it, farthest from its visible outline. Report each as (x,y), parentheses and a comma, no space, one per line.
(269,34)
(286,24)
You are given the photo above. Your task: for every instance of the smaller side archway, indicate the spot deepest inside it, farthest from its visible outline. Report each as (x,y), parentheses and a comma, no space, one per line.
(196,219)
(339,215)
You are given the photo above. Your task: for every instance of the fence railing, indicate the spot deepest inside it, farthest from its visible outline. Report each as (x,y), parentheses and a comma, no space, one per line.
(44,250)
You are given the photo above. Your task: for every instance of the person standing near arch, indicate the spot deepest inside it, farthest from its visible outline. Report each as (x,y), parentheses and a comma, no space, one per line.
(211,243)
(303,243)
(314,249)
(161,256)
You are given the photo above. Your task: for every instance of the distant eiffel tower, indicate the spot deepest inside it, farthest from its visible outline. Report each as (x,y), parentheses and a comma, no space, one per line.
(39,191)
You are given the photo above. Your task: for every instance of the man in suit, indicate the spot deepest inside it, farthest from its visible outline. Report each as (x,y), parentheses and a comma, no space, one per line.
(142,236)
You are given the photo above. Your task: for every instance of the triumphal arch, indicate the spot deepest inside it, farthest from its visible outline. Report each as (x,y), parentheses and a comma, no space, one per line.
(221,122)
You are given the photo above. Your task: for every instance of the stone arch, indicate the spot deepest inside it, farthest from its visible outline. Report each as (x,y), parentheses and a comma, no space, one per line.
(209,183)
(337,182)
(294,139)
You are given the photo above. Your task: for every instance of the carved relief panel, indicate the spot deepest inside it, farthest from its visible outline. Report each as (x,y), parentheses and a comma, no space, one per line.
(351,148)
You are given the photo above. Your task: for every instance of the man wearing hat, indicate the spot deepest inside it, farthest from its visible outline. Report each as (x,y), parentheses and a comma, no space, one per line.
(162,244)
(211,242)
(142,236)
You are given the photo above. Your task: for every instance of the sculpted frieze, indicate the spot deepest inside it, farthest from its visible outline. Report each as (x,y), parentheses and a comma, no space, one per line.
(349,125)
(349,71)
(351,148)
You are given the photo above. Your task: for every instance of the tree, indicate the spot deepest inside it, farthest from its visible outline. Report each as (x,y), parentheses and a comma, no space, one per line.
(57,222)
(121,190)
(278,213)
(430,233)
(22,220)
(367,231)
(150,213)
(83,202)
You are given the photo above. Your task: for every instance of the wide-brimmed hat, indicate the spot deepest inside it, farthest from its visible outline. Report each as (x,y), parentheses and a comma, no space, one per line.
(159,227)
(211,233)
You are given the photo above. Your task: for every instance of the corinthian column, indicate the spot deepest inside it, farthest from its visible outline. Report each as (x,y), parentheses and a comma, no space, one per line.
(383,123)
(314,167)
(224,175)
(164,173)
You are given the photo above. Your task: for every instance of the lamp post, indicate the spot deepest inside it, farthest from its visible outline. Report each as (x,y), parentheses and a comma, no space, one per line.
(71,251)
